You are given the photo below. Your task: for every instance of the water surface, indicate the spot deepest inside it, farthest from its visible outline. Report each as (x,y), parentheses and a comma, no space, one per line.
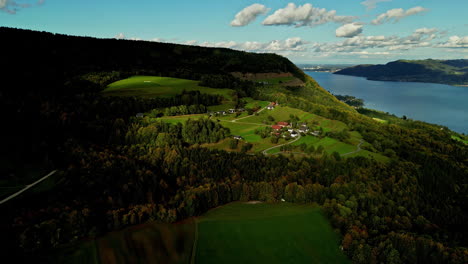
(433,103)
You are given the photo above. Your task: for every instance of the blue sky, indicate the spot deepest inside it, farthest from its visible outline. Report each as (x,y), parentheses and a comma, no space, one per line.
(319,31)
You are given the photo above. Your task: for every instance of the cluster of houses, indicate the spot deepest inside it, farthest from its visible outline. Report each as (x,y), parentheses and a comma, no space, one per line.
(293,132)
(272,105)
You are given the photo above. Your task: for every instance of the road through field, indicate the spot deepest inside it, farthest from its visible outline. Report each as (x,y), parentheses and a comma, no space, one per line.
(27,187)
(356,151)
(235,120)
(290,142)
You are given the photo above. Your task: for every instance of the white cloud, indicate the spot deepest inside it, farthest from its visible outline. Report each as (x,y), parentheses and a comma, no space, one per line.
(422,37)
(455,42)
(305,15)
(191,42)
(371,4)
(120,36)
(349,30)
(396,14)
(248,14)
(290,44)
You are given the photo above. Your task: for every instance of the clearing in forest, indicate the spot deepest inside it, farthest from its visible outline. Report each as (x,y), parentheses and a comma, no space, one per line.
(266,233)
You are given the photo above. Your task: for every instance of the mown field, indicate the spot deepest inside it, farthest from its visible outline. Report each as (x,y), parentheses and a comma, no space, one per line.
(266,233)
(151,86)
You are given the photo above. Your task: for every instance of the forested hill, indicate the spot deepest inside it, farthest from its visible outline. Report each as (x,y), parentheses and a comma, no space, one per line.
(436,71)
(49,57)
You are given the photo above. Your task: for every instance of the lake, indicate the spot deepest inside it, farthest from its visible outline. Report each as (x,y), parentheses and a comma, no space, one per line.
(433,103)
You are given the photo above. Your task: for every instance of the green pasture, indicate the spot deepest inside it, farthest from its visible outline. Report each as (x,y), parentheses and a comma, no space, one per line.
(465,140)
(152,86)
(266,233)
(251,103)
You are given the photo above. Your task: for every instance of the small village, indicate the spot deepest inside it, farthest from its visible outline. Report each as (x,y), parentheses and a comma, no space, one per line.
(280,129)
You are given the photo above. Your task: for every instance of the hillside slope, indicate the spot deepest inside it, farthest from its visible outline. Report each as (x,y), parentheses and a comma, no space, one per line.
(59,55)
(436,71)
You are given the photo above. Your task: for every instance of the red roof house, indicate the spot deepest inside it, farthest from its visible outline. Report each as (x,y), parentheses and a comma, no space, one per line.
(276,127)
(282,124)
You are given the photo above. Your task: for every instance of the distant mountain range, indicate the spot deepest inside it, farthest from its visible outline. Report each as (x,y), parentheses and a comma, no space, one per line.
(323,67)
(453,72)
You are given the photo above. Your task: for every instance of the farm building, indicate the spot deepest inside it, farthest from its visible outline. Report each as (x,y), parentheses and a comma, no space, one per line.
(276,127)
(238,137)
(271,106)
(283,124)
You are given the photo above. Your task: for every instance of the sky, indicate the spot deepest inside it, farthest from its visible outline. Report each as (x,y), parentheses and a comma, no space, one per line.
(317,31)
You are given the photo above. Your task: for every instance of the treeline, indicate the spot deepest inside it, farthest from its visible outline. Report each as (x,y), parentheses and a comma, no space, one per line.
(350,100)
(64,57)
(153,132)
(243,87)
(185,110)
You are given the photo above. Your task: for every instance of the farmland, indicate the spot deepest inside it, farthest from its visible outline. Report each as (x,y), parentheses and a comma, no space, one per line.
(266,233)
(263,232)
(151,86)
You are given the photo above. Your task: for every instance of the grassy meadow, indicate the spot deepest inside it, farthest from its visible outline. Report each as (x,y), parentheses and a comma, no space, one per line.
(151,86)
(266,233)
(262,232)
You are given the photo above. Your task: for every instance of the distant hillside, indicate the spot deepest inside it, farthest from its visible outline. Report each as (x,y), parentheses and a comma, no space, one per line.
(453,72)
(41,56)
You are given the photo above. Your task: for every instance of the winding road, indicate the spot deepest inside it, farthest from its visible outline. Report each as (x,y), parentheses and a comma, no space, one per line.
(278,146)
(357,150)
(235,120)
(290,142)
(27,187)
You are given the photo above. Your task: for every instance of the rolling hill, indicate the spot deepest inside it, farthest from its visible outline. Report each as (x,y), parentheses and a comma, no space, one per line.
(453,72)
(117,120)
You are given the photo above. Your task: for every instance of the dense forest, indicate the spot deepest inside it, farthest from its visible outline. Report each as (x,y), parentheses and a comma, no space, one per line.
(117,169)
(434,71)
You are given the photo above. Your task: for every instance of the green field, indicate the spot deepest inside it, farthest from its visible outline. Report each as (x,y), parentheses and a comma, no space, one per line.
(266,233)
(151,86)
(251,103)
(280,113)
(238,232)
(457,138)
(330,145)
